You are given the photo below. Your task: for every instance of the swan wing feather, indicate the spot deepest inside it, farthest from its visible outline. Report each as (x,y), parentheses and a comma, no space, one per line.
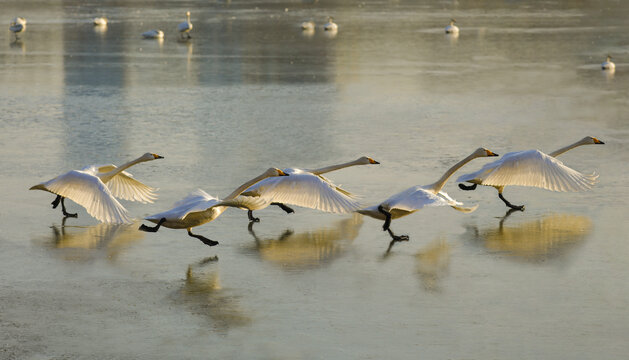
(415,198)
(124,186)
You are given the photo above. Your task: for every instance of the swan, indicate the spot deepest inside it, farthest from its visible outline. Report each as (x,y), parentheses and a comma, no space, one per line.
(199,208)
(17,25)
(305,188)
(99,21)
(330,25)
(416,197)
(452,29)
(185,27)
(608,64)
(531,168)
(153,34)
(308,25)
(94,187)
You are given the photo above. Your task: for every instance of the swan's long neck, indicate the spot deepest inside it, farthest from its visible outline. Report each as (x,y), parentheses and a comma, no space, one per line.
(437,186)
(334,167)
(109,175)
(564,149)
(188,16)
(245,186)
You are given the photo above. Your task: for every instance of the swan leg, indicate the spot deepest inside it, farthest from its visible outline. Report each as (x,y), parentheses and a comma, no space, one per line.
(63,210)
(56,201)
(283,207)
(203,239)
(467,187)
(397,238)
(515,207)
(251,217)
(387,220)
(152,228)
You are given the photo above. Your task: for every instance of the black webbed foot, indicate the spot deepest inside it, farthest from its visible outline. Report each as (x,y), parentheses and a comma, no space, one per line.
(203,239)
(251,217)
(514,207)
(467,187)
(152,228)
(283,207)
(63,209)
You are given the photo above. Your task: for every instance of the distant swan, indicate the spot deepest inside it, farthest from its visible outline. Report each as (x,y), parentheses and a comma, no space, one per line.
(308,25)
(452,29)
(531,168)
(608,64)
(199,208)
(100,21)
(185,27)
(17,25)
(305,188)
(330,25)
(94,187)
(416,197)
(153,34)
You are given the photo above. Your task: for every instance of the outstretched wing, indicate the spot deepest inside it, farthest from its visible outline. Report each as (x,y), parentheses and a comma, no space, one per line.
(124,186)
(413,199)
(90,192)
(196,201)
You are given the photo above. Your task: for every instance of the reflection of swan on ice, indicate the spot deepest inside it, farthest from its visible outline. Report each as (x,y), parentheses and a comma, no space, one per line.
(310,248)
(433,263)
(536,240)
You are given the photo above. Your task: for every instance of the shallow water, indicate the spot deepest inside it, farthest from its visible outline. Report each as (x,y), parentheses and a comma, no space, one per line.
(251,91)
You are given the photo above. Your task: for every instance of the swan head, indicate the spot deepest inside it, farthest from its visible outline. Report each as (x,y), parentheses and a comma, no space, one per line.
(366,160)
(452,21)
(482,152)
(187,13)
(150,156)
(270,172)
(330,19)
(609,58)
(591,140)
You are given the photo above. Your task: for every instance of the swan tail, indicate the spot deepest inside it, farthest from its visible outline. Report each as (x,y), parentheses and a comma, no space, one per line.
(465,209)
(39,187)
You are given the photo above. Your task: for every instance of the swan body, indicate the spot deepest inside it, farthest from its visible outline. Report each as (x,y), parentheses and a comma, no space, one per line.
(199,208)
(100,21)
(153,34)
(532,168)
(17,25)
(308,25)
(608,64)
(451,28)
(417,197)
(185,27)
(330,25)
(306,188)
(96,187)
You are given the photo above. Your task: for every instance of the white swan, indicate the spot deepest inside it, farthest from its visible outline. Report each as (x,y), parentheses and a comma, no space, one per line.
(17,25)
(99,21)
(451,28)
(416,197)
(531,168)
(308,25)
(608,64)
(199,208)
(330,25)
(306,188)
(153,34)
(94,187)
(185,27)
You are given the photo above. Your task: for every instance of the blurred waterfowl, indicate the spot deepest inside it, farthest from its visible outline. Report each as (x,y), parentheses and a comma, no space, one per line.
(417,197)
(532,168)
(17,25)
(308,25)
(306,188)
(185,27)
(95,187)
(153,34)
(451,28)
(99,21)
(608,64)
(330,25)
(199,208)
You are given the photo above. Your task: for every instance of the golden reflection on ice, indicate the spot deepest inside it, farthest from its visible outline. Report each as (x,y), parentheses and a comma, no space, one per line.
(452,38)
(311,248)
(203,293)
(100,29)
(80,243)
(433,262)
(536,240)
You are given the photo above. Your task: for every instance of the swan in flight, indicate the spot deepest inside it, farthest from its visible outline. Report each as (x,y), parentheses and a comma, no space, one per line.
(452,29)
(531,168)
(330,25)
(17,25)
(199,208)
(153,34)
(99,21)
(608,64)
(185,27)
(308,25)
(96,186)
(416,197)
(306,188)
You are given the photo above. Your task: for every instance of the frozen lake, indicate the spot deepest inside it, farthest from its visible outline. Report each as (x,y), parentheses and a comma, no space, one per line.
(250,91)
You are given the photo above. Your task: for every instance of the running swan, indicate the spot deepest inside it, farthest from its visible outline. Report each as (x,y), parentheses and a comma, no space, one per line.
(199,208)
(531,168)
(416,197)
(306,188)
(17,25)
(96,186)
(185,27)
